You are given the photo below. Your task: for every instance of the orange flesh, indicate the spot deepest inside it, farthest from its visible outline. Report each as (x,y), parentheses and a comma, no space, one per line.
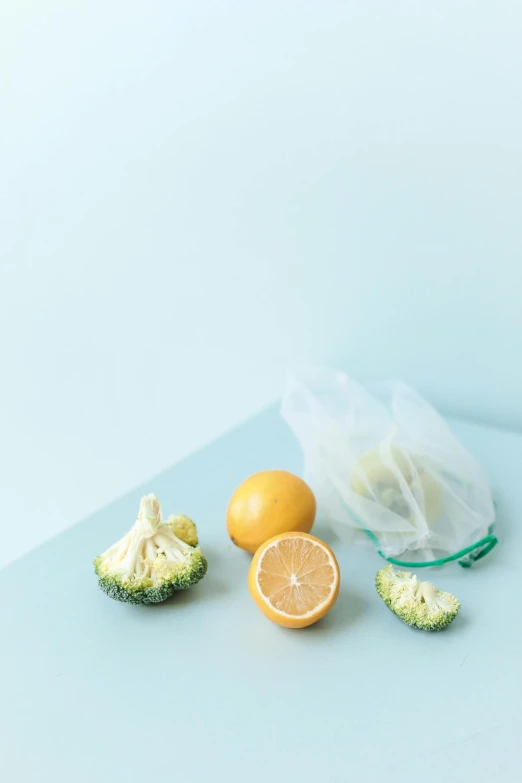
(296,576)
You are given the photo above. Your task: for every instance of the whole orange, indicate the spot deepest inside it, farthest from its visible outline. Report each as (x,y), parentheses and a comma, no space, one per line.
(267,504)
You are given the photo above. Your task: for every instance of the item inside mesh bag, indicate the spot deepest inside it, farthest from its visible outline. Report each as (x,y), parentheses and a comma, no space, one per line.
(385,466)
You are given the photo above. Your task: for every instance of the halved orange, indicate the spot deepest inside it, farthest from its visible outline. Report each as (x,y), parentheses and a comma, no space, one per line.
(294,579)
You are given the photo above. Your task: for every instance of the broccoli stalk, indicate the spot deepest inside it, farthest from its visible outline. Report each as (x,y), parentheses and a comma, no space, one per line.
(419,604)
(150,562)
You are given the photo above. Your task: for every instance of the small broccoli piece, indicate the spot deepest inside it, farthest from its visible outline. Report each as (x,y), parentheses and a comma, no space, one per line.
(150,562)
(184,528)
(418,604)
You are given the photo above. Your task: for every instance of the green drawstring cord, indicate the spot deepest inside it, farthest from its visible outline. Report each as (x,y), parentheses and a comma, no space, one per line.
(468,555)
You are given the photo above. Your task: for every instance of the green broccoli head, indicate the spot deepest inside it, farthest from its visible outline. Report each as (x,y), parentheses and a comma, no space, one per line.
(419,604)
(150,562)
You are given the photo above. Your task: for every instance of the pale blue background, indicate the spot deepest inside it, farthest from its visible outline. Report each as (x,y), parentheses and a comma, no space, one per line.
(203,687)
(196,194)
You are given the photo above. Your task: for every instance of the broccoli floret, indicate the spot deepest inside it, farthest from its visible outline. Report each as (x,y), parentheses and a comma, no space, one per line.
(184,528)
(418,604)
(151,562)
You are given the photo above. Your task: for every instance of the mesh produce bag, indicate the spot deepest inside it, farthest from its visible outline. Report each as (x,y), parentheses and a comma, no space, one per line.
(384,466)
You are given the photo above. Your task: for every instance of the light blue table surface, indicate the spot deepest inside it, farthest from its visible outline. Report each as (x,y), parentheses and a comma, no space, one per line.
(204,687)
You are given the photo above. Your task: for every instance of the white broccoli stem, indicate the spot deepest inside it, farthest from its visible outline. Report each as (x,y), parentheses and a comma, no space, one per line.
(436,600)
(149,515)
(135,555)
(427,591)
(127,567)
(150,550)
(166,532)
(416,590)
(139,539)
(173,549)
(401,577)
(118,549)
